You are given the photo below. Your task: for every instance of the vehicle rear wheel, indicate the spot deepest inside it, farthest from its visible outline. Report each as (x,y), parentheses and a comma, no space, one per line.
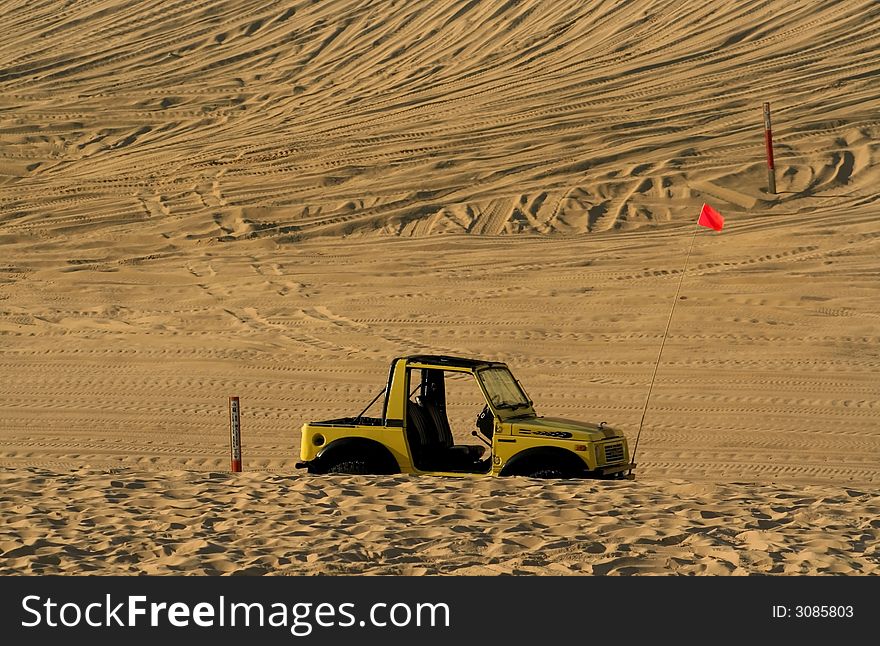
(353,466)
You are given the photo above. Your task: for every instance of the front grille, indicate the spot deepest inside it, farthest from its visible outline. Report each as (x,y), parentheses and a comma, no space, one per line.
(613,453)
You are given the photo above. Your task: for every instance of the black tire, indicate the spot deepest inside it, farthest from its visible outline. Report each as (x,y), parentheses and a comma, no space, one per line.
(545,462)
(352,466)
(547,472)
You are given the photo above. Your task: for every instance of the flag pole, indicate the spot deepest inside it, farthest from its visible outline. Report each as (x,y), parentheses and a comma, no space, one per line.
(768,142)
(662,344)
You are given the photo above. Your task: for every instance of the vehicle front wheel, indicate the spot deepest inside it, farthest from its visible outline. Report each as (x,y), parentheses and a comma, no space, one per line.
(548,471)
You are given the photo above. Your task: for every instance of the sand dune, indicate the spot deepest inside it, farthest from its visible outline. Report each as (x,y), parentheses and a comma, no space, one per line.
(125,522)
(292,119)
(770,370)
(273,199)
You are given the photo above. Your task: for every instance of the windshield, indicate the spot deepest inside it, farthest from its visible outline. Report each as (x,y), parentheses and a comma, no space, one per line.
(502,389)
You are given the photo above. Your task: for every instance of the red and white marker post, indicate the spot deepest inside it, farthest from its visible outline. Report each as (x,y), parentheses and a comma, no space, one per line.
(768,140)
(235,433)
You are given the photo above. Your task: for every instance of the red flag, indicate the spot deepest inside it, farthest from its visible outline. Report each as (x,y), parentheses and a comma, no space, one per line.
(711,218)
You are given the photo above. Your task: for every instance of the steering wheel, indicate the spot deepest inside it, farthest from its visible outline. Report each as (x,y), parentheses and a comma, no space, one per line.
(486,422)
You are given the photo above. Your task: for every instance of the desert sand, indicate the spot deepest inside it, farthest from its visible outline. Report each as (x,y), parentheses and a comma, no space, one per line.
(274,199)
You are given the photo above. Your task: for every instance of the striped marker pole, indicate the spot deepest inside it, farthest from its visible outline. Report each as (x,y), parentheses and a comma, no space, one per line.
(235,433)
(768,140)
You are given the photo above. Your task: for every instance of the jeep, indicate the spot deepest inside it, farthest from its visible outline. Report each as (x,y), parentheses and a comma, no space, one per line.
(414,434)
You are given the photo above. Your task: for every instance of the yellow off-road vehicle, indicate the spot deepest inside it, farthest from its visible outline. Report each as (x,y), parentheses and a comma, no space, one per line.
(414,434)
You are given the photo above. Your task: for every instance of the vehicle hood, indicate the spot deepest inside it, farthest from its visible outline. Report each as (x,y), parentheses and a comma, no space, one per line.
(579,430)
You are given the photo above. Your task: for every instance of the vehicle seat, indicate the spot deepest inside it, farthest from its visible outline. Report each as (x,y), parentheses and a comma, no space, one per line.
(419,432)
(462,454)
